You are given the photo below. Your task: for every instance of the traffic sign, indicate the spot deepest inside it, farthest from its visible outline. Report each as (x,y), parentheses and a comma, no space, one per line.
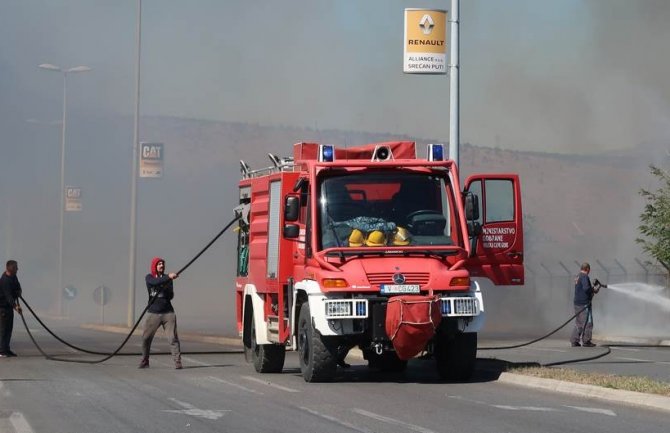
(69,293)
(102,295)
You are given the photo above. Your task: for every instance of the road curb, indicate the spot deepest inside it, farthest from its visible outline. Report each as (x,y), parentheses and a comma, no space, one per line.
(649,401)
(228,341)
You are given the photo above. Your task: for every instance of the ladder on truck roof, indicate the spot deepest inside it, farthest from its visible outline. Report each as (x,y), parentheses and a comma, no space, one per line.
(278,164)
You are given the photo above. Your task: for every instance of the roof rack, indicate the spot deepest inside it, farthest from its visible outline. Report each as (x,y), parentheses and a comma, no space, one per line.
(278,164)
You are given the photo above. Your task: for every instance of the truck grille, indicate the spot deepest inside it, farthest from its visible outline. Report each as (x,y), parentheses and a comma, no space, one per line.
(378,278)
(457,307)
(346,308)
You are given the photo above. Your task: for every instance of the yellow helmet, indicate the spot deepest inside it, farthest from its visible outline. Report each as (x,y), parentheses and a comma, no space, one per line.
(401,236)
(356,238)
(376,238)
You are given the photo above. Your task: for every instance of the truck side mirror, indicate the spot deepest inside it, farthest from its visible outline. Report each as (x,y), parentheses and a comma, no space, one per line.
(471,206)
(474,230)
(291,231)
(291,208)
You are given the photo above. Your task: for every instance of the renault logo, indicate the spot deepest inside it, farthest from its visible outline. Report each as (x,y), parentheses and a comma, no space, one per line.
(399,278)
(426,24)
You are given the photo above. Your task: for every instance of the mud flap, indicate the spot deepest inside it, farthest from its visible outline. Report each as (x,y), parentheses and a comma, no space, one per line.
(411,322)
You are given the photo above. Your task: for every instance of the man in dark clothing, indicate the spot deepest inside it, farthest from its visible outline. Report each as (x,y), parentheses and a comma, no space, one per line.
(160,312)
(584,292)
(10,290)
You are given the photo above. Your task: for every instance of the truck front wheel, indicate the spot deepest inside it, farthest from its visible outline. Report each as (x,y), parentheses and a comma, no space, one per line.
(317,356)
(456,356)
(267,358)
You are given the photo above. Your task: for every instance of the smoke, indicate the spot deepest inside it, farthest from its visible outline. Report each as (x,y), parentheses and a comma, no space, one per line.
(572,95)
(632,310)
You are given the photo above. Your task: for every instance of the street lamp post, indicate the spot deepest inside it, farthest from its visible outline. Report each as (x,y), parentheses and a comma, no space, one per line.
(50,67)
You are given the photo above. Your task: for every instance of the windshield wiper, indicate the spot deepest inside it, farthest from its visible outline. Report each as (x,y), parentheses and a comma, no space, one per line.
(331,226)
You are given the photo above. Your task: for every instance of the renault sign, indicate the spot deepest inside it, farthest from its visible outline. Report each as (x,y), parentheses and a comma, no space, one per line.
(425,41)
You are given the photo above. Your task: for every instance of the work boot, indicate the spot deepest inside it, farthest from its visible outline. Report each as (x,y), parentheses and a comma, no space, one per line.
(144,363)
(11,354)
(576,344)
(177,364)
(588,344)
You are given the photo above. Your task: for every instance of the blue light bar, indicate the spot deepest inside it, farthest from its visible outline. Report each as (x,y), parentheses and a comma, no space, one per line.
(436,152)
(446,307)
(326,153)
(360,309)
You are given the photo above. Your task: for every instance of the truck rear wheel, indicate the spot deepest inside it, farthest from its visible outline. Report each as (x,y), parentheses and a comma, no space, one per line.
(387,362)
(456,356)
(317,357)
(267,358)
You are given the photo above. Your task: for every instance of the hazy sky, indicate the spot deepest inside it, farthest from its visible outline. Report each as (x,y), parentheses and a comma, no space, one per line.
(559,76)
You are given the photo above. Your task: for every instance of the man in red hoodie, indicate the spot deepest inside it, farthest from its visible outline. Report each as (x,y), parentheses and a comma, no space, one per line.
(160,312)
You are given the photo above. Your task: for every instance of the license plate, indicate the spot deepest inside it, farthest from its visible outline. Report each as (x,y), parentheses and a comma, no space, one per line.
(399,288)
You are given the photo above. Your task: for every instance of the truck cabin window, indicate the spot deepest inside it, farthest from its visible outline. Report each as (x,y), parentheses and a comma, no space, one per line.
(384,210)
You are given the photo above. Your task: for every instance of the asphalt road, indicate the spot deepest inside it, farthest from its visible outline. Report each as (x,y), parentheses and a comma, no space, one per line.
(221,393)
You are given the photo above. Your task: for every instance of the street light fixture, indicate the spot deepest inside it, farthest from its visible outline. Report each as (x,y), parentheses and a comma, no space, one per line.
(50,67)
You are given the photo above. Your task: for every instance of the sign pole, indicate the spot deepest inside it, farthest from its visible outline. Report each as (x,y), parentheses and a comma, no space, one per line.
(102,307)
(454,85)
(133,177)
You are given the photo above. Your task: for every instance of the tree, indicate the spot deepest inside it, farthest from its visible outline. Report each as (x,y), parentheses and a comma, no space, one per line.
(655,220)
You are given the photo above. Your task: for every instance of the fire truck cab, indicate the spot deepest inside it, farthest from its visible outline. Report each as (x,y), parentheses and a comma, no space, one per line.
(329,238)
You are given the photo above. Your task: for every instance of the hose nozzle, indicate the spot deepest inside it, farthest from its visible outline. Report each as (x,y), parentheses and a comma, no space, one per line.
(597,284)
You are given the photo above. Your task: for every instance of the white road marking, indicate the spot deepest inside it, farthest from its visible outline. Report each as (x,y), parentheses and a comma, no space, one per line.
(628,349)
(6,392)
(243,388)
(392,421)
(191,410)
(19,423)
(633,359)
(195,361)
(335,420)
(528,408)
(458,397)
(594,410)
(651,361)
(546,349)
(273,385)
(154,361)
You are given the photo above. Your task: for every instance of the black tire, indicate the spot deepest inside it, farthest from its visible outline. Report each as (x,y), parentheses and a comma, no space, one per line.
(387,362)
(267,358)
(456,356)
(317,357)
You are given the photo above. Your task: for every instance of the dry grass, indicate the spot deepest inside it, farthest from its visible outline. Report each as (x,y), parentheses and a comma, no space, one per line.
(628,383)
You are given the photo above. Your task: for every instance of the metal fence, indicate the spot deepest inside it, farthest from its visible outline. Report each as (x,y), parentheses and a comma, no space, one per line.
(550,285)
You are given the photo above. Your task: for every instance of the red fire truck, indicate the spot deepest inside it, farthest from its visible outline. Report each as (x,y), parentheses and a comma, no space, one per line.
(370,246)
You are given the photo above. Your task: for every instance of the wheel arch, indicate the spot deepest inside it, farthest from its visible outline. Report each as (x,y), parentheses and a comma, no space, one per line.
(253,309)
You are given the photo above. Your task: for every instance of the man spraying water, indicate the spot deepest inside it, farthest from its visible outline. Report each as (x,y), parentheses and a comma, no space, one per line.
(584,292)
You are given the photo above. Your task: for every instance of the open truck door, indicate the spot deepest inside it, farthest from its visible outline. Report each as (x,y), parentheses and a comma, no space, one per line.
(495,226)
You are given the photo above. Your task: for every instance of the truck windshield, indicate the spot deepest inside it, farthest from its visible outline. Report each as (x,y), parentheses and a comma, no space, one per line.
(384,210)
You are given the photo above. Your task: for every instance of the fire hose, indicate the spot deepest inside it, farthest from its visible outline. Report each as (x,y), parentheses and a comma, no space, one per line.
(108,356)
(606,352)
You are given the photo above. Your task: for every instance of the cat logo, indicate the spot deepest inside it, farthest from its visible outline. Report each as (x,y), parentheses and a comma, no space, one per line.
(151,160)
